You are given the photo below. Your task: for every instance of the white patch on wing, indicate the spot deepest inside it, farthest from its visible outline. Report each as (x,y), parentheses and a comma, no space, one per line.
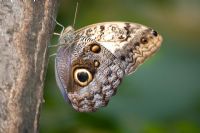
(112,46)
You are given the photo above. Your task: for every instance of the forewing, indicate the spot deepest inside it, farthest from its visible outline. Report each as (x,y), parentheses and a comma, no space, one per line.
(125,41)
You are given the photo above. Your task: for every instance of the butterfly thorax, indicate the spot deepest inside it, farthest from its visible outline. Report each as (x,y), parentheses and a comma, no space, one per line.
(67,36)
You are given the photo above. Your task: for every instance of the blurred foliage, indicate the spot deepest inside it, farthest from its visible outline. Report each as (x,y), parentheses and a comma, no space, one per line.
(163,96)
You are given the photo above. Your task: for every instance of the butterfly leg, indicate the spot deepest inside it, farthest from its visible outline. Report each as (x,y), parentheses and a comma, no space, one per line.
(54,54)
(53,46)
(58,34)
(63,28)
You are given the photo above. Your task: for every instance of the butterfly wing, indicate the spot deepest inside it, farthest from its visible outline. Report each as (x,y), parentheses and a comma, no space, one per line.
(131,43)
(89,70)
(62,70)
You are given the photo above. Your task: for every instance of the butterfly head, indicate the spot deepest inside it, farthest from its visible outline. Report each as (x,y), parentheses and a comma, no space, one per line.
(67,36)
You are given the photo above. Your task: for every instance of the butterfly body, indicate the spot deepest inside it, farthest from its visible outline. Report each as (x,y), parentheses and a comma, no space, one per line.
(94,59)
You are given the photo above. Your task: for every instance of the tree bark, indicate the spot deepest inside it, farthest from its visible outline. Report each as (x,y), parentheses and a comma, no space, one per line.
(25,30)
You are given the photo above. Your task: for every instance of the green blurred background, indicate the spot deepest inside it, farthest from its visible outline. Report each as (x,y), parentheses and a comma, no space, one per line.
(162,96)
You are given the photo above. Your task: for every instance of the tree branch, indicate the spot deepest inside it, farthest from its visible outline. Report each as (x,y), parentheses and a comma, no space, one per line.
(25,30)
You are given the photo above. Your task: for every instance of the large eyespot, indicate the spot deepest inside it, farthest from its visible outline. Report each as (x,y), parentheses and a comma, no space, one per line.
(95,48)
(82,76)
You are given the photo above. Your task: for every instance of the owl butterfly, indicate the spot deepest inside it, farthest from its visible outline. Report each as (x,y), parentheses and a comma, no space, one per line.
(92,61)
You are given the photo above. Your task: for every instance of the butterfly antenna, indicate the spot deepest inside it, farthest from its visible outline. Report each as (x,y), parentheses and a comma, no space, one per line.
(76,11)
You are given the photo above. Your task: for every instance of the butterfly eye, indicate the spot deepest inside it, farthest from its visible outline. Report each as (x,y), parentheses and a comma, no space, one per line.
(95,48)
(82,76)
(144,40)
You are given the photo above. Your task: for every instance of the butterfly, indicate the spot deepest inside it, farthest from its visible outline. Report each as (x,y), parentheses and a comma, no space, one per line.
(91,62)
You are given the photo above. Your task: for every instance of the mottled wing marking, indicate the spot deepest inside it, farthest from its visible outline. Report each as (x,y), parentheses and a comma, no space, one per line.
(124,46)
(106,79)
(122,39)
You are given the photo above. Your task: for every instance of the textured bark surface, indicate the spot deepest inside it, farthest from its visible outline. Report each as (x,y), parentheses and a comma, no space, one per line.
(25,30)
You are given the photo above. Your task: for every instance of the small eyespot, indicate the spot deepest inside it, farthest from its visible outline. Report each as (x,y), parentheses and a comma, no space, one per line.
(154,33)
(122,57)
(144,40)
(95,48)
(96,63)
(82,76)
(137,44)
